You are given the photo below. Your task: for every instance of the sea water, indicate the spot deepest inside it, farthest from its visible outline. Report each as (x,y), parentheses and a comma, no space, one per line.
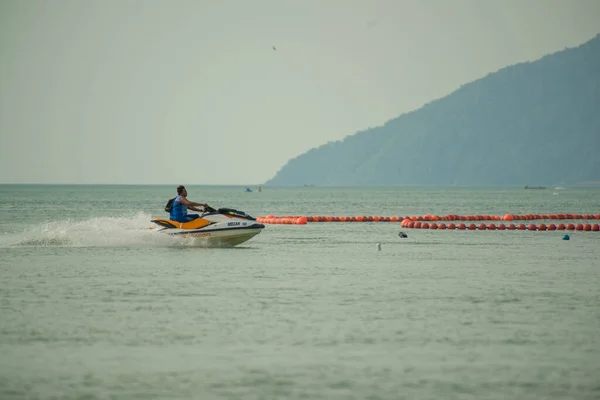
(94,305)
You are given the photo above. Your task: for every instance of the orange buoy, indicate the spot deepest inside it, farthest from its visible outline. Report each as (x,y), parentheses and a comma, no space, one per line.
(301,221)
(541,227)
(482,227)
(521,227)
(425,225)
(491,227)
(508,217)
(501,227)
(472,227)
(451,226)
(595,227)
(532,227)
(442,226)
(551,227)
(433,226)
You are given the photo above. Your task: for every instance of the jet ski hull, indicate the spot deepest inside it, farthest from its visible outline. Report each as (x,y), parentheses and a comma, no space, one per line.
(216,236)
(219,228)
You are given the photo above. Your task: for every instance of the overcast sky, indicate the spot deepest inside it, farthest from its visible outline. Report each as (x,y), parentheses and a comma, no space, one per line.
(192,92)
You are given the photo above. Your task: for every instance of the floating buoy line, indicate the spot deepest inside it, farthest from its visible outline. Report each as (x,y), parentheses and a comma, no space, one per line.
(428,221)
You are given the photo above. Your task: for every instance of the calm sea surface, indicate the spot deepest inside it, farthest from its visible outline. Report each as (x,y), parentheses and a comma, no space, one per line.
(95,306)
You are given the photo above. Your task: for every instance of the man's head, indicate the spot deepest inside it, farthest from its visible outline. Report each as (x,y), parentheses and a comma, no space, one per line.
(181,190)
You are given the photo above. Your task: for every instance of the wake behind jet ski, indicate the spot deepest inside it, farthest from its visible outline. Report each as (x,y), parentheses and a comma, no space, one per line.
(220,227)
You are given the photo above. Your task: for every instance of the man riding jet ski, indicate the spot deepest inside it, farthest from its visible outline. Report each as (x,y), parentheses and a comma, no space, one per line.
(223,227)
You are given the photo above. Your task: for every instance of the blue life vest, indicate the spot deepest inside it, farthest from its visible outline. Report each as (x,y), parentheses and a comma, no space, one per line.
(178,211)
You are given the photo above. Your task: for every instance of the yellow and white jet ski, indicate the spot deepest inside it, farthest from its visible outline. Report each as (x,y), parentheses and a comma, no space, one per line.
(222,227)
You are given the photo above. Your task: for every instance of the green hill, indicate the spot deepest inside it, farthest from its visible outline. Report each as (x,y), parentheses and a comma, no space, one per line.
(535,123)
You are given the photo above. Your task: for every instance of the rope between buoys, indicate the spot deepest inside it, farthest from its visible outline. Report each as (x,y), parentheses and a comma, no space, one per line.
(428,221)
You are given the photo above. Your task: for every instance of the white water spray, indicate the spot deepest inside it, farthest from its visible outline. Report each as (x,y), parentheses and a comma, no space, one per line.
(124,231)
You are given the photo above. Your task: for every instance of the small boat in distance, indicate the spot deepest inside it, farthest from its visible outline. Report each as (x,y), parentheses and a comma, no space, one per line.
(535,187)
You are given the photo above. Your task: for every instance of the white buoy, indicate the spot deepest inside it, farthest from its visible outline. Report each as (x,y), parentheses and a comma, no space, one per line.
(378,246)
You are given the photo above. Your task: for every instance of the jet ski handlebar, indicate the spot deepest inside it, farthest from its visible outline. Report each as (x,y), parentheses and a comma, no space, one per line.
(230,211)
(209,209)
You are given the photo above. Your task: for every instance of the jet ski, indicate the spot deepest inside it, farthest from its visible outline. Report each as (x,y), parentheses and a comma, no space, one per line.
(219,227)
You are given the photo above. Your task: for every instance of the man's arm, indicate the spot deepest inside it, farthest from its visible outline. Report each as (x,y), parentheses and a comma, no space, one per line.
(188,203)
(191,204)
